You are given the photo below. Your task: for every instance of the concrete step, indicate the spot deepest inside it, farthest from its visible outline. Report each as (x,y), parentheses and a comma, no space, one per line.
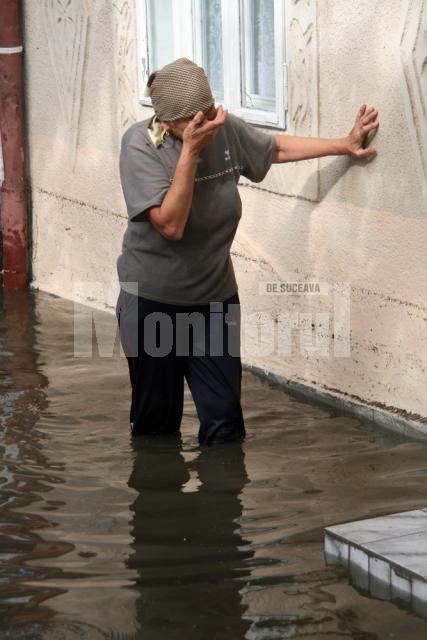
(386,557)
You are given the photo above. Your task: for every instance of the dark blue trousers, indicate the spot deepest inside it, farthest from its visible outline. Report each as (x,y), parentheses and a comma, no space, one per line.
(166,343)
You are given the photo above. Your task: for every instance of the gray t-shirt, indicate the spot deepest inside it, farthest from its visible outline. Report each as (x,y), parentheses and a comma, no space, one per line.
(197,269)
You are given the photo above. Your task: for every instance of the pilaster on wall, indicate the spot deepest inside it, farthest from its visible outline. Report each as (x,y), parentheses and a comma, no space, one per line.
(126,64)
(299,178)
(413,53)
(66,27)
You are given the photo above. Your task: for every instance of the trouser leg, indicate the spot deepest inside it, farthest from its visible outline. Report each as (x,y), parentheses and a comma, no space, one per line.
(157,395)
(156,375)
(215,378)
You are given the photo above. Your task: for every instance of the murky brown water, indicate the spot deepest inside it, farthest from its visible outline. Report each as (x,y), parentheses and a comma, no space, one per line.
(102,536)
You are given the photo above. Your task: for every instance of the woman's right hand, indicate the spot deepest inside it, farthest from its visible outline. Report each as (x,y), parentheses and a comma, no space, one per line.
(200,131)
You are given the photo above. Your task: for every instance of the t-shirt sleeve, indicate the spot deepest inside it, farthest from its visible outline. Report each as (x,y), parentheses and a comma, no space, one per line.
(257,150)
(143,177)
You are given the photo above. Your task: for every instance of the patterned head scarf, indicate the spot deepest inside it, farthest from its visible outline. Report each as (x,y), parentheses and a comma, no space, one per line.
(179,90)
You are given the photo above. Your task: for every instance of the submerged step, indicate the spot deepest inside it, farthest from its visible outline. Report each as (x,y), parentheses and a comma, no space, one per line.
(386,556)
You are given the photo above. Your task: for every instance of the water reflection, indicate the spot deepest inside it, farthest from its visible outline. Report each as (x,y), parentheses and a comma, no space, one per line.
(24,470)
(105,537)
(188,549)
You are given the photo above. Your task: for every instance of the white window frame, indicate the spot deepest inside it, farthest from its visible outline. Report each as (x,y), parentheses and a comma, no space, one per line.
(186,44)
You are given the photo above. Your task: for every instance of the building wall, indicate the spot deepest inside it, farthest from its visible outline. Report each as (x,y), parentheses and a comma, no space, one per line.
(358,226)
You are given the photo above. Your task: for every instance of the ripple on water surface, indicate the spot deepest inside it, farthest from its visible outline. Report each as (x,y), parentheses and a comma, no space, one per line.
(105,536)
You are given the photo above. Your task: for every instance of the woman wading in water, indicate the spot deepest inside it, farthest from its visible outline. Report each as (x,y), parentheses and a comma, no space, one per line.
(179,171)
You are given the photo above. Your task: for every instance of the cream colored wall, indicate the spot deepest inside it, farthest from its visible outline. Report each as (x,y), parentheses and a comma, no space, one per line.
(334,220)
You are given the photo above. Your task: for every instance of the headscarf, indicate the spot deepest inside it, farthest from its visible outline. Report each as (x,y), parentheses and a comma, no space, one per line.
(179,90)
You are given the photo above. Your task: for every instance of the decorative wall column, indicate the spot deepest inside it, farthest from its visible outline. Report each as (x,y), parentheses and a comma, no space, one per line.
(66,26)
(413,52)
(126,65)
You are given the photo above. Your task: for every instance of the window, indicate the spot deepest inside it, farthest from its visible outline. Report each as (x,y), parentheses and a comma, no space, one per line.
(239,43)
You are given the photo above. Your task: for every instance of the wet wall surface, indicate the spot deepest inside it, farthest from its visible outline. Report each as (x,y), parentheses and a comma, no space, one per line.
(107,536)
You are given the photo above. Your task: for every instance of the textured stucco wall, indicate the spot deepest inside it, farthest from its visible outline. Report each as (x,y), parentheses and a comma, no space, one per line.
(369,228)
(333,220)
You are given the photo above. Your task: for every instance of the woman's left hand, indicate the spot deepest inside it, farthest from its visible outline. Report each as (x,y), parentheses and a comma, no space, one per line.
(366,120)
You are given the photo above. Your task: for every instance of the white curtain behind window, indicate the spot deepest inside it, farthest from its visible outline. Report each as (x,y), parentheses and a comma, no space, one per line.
(259,52)
(160,33)
(212,45)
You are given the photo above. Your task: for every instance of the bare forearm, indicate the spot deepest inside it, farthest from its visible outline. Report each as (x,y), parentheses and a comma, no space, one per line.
(176,205)
(171,217)
(291,148)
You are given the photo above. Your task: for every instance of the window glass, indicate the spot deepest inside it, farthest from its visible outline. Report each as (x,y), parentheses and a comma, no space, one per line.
(211,39)
(160,33)
(239,43)
(259,88)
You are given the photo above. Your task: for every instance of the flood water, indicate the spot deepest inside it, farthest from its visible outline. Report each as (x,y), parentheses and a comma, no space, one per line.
(105,536)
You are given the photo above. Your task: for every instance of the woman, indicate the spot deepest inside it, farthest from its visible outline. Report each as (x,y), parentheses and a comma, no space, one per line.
(179,172)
